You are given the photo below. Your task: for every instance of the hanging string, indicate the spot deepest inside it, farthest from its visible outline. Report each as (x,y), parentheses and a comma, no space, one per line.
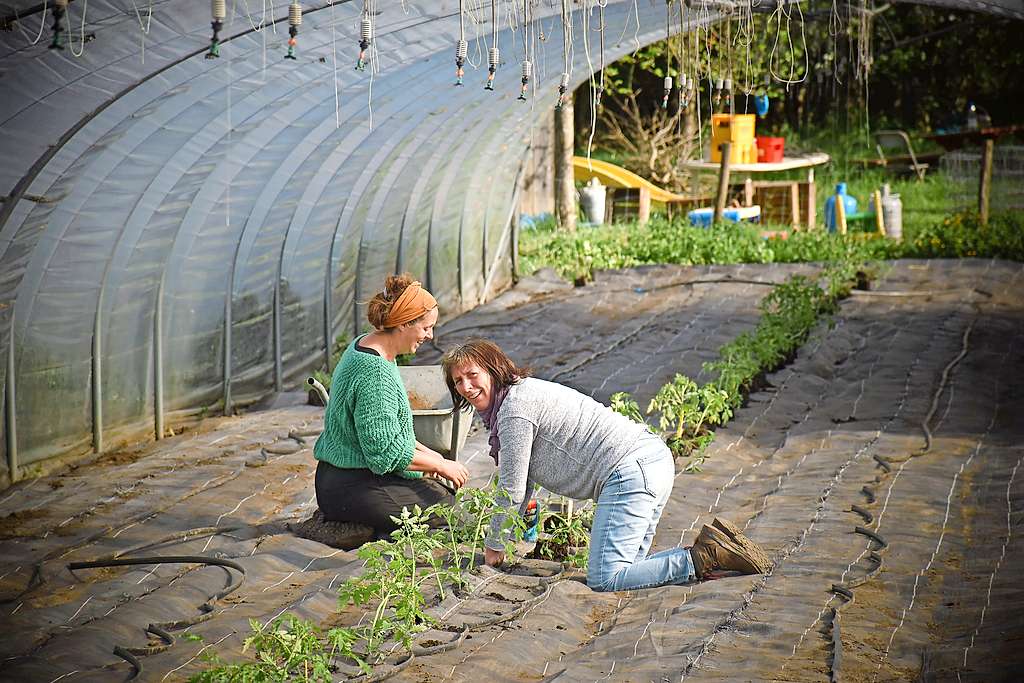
(782,15)
(144,27)
(601,30)
(567,46)
(42,25)
(81,51)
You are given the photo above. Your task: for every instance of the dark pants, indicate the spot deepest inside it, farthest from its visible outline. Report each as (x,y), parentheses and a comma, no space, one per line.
(350,495)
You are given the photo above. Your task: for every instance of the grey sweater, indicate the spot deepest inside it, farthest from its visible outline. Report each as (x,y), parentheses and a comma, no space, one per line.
(554,436)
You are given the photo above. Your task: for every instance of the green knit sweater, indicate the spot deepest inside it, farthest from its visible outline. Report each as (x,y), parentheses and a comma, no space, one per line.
(368,423)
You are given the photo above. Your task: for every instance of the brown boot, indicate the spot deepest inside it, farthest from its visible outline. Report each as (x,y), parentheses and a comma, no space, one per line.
(715,550)
(752,549)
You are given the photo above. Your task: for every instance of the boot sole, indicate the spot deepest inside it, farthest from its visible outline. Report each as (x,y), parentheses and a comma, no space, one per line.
(758,556)
(747,550)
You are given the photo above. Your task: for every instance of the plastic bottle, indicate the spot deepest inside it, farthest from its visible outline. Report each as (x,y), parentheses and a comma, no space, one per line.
(532,519)
(892,214)
(849,205)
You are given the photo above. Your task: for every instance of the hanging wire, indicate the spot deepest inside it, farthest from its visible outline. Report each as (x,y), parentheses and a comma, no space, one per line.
(81,50)
(493,54)
(143,26)
(783,17)
(461,47)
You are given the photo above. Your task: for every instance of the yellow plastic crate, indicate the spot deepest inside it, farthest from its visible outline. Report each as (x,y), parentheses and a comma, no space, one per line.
(737,129)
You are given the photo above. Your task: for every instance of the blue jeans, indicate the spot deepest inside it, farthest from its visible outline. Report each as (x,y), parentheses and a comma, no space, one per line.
(625,520)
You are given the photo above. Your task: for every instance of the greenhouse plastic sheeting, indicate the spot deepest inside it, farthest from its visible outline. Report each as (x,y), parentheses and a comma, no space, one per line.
(187,234)
(198,241)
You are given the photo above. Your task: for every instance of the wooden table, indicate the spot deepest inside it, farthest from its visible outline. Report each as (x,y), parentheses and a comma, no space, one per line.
(951,141)
(804,161)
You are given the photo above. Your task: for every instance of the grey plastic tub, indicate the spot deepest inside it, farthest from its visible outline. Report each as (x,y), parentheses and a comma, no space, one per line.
(436,425)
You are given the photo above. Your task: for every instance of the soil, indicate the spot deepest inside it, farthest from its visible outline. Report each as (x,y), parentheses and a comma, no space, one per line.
(417,402)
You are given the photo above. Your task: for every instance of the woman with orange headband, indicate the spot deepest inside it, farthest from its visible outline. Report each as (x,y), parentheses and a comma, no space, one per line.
(370,464)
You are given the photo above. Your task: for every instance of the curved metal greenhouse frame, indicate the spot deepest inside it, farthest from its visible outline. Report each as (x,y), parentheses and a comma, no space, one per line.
(185,234)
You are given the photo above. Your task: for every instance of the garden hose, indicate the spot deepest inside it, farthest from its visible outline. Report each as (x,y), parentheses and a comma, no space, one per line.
(131,655)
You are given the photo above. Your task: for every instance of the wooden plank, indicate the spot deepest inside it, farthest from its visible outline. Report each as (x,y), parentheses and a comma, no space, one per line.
(723,183)
(985,182)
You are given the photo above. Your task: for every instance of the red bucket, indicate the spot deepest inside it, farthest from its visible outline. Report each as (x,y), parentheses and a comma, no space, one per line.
(770,150)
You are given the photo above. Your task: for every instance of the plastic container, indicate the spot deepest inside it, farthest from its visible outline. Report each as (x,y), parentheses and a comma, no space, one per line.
(702,217)
(592,201)
(770,150)
(737,129)
(849,205)
(436,424)
(892,215)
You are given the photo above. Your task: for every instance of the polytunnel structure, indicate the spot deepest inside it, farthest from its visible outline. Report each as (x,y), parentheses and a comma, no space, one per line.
(182,234)
(188,234)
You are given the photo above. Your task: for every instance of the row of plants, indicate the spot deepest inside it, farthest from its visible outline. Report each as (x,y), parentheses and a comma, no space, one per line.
(430,552)
(425,561)
(687,412)
(575,256)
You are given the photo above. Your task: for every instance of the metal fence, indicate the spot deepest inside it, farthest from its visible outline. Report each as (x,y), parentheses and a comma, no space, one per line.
(963,170)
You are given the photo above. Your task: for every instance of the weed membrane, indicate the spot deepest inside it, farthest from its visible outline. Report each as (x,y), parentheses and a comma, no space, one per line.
(881,469)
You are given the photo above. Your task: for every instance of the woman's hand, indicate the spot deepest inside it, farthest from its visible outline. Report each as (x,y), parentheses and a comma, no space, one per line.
(494,558)
(453,471)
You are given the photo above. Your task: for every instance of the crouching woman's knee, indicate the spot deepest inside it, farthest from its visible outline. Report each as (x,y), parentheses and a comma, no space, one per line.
(601,581)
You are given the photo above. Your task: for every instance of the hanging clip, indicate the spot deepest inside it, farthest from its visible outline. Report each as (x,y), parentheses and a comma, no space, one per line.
(58,28)
(294,21)
(718,92)
(527,72)
(667,91)
(219,11)
(684,92)
(563,88)
(493,59)
(461,50)
(365,34)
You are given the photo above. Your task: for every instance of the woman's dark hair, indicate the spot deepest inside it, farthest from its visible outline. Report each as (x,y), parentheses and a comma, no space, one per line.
(489,356)
(380,305)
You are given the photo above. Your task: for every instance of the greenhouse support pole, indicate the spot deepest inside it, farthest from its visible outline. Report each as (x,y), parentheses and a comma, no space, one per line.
(97,379)
(277,335)
(565,186)
(158,362)
(985,182)
(511,225)
(10,412)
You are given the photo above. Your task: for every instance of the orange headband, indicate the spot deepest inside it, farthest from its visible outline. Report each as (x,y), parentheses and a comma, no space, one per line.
(413,302)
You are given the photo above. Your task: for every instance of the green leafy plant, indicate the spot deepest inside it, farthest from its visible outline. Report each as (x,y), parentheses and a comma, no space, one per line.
(286,649)
(623,404)
(566,537)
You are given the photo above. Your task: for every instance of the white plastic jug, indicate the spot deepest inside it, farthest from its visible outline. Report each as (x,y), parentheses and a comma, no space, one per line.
(592,199)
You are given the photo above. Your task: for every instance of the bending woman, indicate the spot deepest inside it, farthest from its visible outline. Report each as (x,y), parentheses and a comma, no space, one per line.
(547,434)
(370,464)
